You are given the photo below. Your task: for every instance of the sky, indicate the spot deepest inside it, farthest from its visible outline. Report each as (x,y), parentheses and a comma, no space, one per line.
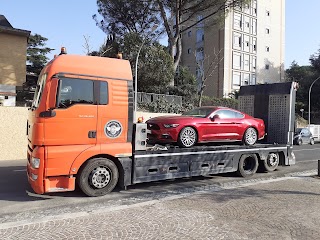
(66,22)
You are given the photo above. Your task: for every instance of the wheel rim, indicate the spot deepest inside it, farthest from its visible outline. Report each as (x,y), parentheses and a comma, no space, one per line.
(188,137)
(251,136)
(273,159)
(100,177)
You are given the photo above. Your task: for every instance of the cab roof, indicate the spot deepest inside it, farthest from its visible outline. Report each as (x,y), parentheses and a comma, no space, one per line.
(91,65)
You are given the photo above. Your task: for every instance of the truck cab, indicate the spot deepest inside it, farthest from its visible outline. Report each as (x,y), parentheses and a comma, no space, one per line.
(82,109)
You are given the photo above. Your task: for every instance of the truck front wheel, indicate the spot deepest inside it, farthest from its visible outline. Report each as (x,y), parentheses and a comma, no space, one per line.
(248,165)
(98,177)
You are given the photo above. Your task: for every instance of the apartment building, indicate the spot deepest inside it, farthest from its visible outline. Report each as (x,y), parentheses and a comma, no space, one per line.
(247,48)
(13,57)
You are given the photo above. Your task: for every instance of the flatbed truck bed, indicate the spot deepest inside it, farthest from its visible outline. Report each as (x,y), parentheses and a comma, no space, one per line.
(169,162)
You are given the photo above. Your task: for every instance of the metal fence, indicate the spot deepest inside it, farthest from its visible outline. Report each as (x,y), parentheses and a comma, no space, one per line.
(152,97)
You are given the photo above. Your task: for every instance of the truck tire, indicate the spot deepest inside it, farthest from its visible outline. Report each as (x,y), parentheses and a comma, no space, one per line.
(248,165)
(271,163)
(98,177)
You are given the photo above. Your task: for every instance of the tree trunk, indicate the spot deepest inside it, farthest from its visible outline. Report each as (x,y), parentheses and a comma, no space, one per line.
(200,98)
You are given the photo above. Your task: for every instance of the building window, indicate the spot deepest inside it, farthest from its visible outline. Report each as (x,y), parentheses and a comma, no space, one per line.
(268,13)
(254,27)
(236,78)
(200,35)
(253,64)
(267,31)
(200,21)
(237,21)
(267,49)
(189,50)
(267,66)
(189,34)
(200,54)
(253,79)
(6,97)
(246,79)
(236,60)
(237,40)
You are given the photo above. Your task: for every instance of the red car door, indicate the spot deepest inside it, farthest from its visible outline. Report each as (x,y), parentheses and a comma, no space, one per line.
(225,125)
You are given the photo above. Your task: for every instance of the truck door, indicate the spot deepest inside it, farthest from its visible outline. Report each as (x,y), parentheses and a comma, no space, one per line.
(113,112)
(75,113)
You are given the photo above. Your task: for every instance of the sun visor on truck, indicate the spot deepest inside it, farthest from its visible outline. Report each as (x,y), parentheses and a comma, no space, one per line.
(275,104)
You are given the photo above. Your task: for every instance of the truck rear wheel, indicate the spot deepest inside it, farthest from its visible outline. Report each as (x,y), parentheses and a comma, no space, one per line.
(271,163)
(248,165)
(98,177)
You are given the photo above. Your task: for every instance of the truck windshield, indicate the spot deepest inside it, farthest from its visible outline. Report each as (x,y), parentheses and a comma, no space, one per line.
(38,92)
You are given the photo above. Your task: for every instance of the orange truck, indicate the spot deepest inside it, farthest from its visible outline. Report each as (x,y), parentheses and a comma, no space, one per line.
(81,132)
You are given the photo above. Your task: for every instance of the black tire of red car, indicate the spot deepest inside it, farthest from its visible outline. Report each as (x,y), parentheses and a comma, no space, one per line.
(299,141)
(271,163)
(246,136)
(248,165)
(98,177)
(191,140)
(311,141)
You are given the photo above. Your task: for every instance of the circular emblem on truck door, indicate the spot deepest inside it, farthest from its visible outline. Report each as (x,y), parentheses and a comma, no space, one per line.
(113,129)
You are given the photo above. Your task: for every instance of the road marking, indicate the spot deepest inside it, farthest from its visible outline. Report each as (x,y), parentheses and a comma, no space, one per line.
(306,149)
(305,161)
(20,170)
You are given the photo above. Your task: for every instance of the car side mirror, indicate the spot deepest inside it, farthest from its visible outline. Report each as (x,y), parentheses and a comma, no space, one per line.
(214,117)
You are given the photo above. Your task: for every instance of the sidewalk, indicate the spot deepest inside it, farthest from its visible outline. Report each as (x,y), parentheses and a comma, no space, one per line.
(282,208)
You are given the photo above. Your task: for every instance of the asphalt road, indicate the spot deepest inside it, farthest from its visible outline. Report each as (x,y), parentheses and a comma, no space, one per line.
(19,203)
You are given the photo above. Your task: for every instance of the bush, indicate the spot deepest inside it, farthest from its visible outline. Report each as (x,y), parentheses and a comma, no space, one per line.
(161,106)
(223,102)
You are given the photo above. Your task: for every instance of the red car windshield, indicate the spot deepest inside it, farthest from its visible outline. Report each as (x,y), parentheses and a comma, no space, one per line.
(199,112)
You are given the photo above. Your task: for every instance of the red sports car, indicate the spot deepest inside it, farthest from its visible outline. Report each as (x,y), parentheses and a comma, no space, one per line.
(206,124)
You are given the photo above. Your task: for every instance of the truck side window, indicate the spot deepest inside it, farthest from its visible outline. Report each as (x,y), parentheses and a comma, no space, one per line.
(74,91)
(104,93)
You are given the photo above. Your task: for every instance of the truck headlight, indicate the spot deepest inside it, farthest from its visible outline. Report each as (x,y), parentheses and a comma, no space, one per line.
(35,162)
(170,125)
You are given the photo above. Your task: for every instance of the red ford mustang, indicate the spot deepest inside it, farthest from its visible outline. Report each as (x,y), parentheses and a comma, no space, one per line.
(206,124)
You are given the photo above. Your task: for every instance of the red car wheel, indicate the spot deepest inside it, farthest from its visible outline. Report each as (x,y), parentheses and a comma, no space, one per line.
(250,136)
(188,137)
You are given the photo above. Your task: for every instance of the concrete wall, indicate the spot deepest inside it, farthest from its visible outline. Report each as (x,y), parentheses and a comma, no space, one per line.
(13,140)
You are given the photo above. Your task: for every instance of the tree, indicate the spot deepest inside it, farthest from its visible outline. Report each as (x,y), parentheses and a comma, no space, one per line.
(185,86)
(304,75)
(155,67)
(36,53)
(206,67)
(120,17)
(179,16)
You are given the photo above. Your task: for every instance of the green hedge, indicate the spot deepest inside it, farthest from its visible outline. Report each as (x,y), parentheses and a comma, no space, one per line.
(162,105)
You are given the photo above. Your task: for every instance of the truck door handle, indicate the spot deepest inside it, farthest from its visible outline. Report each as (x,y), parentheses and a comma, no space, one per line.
(92,134)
